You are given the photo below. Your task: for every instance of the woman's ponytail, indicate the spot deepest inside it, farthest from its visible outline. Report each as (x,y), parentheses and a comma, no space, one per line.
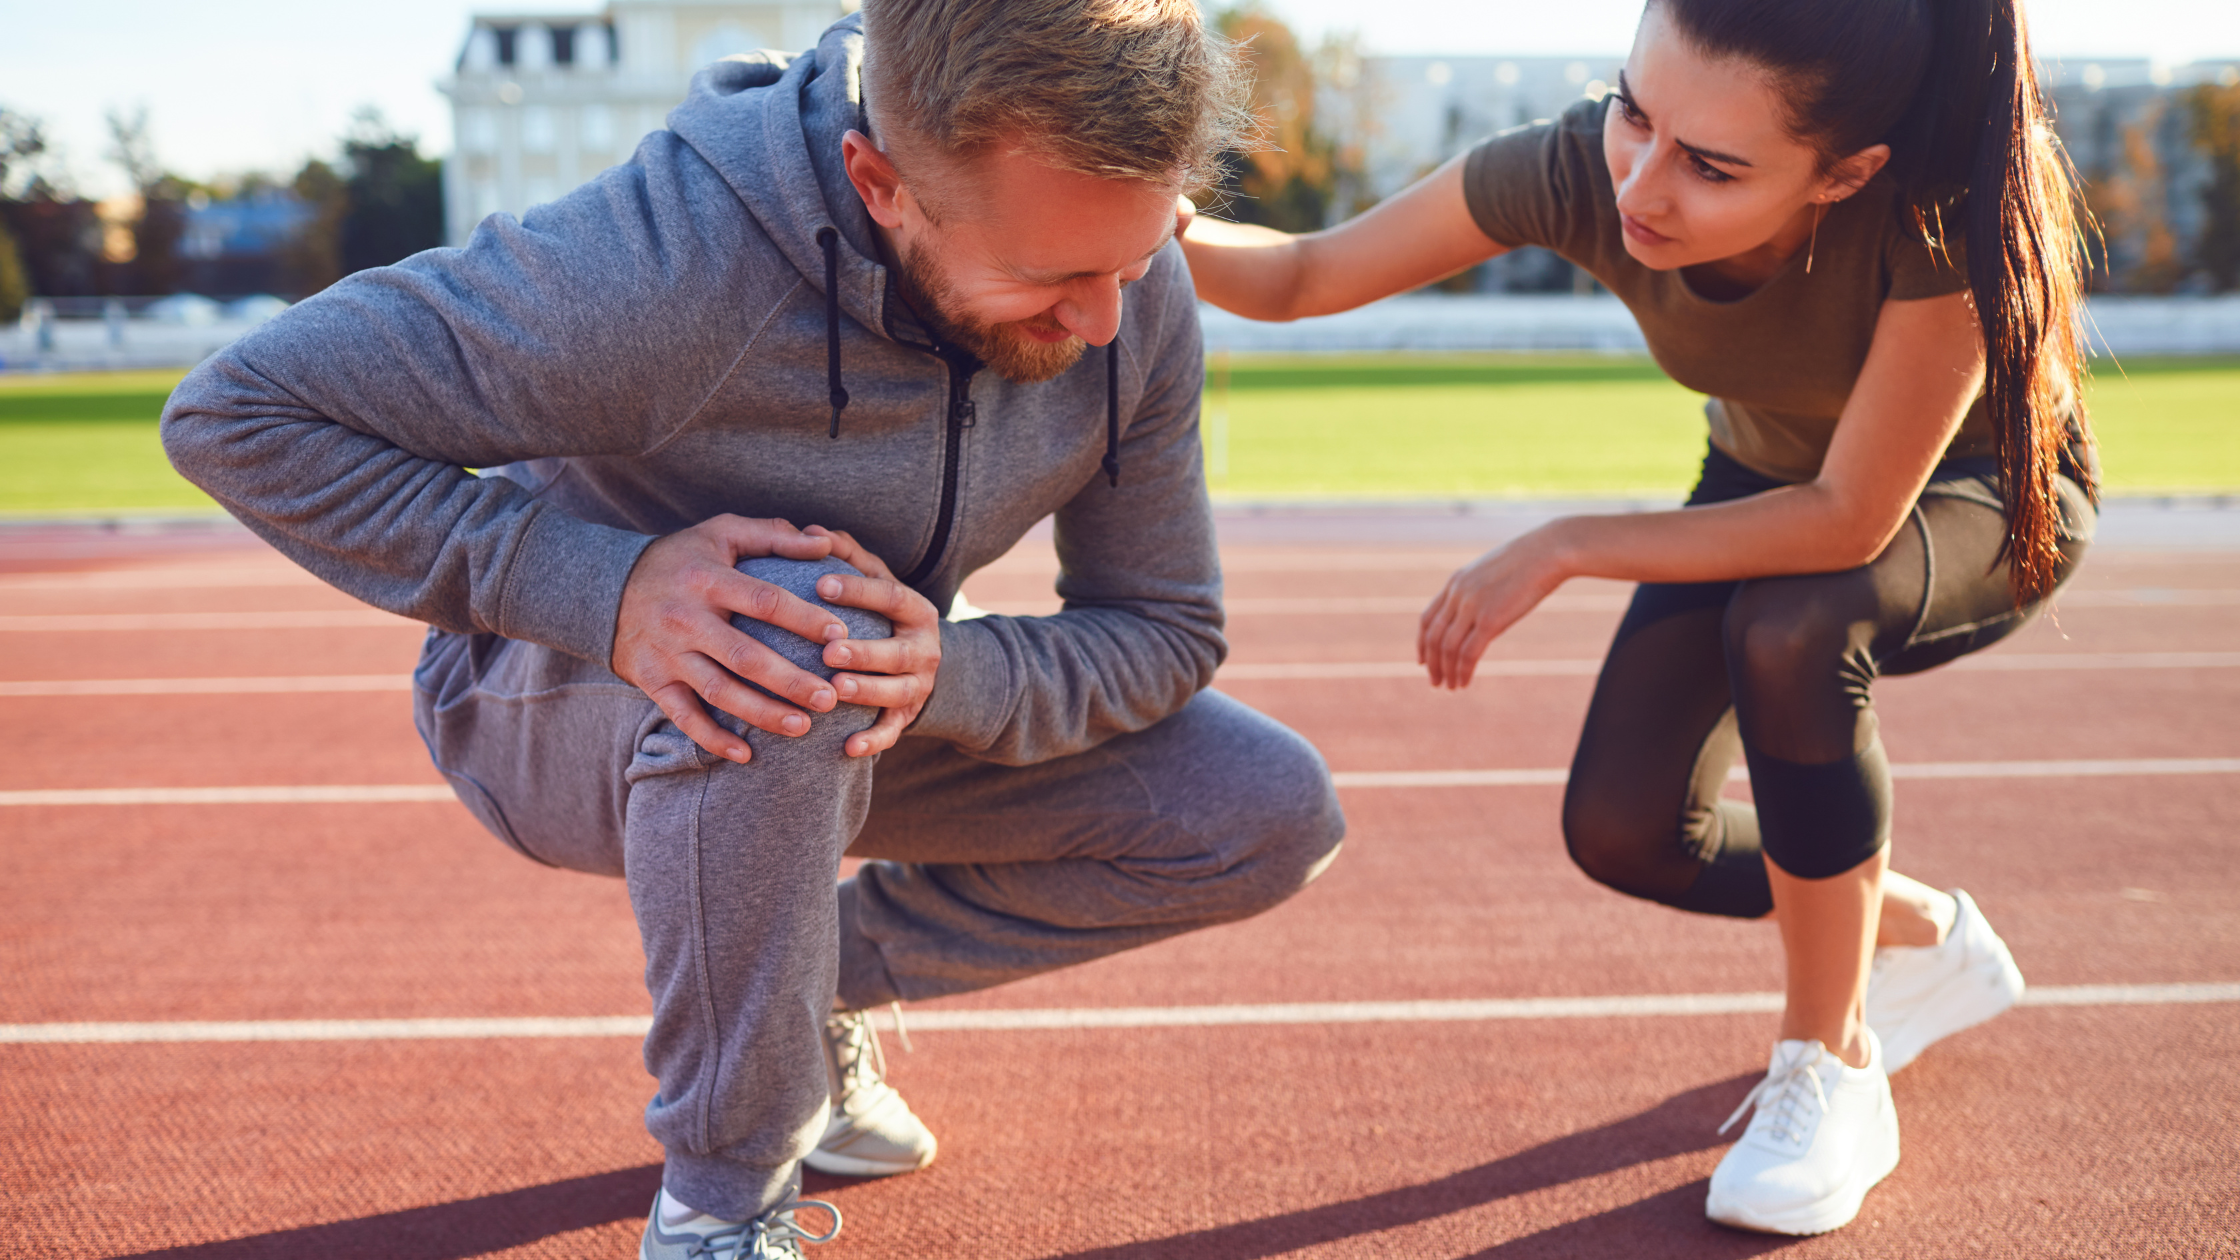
(1995,156)
(1949,85)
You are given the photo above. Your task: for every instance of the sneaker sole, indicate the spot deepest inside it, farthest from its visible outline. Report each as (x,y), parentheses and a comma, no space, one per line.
(1973,997)
(838,1165)
(1817,1218)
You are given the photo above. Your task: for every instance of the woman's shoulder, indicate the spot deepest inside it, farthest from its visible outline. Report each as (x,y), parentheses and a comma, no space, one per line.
(1535,184)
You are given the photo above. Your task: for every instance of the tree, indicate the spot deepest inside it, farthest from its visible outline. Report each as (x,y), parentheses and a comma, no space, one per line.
(314,259)
(395,198)
(2216,130)
(22,142)
(162,220)
(15,284)
(1288,182)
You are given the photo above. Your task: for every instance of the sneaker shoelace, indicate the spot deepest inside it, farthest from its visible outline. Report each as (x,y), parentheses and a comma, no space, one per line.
(1781,1097)
(761,1238)
(860,1059)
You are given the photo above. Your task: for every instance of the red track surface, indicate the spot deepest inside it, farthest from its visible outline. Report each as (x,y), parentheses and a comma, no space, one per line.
(2086,1131)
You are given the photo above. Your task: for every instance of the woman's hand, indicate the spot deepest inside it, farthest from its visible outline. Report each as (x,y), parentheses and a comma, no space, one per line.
(1483,599)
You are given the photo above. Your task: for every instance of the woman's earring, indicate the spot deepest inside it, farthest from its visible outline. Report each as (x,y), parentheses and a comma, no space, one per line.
(1817,210)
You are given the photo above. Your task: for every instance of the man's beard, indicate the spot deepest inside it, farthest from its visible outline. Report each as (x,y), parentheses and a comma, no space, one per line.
(1008,350)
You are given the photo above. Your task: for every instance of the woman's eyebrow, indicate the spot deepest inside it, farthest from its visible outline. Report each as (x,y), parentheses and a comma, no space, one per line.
(1625,90)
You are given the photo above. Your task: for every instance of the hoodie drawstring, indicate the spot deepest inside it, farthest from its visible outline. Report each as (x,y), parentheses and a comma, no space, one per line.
(828,239)
(1112,411)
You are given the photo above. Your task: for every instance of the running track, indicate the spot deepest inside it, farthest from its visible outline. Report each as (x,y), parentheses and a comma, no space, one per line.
(268,994)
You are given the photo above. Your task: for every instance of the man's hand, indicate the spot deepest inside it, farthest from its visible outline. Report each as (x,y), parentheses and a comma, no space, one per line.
(894,674)
(673,637)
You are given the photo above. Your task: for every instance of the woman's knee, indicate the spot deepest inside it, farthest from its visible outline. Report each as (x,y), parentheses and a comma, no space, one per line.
(1777,633)
(1614,845)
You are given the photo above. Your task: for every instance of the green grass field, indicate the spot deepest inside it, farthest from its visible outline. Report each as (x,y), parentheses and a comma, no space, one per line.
(1324,427)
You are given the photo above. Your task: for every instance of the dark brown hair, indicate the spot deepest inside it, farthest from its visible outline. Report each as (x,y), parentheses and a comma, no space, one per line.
(1949,85)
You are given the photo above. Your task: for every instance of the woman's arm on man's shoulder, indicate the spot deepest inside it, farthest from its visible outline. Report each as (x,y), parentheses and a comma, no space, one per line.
(1421,234)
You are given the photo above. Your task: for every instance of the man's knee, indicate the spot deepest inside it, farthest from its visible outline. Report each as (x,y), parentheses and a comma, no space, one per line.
(1287,824)
(799,578)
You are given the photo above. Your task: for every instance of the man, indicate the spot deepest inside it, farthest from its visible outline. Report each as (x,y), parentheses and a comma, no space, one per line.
(875,288)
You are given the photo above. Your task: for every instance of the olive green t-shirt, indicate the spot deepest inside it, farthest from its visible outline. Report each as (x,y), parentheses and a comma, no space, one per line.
(1778,363)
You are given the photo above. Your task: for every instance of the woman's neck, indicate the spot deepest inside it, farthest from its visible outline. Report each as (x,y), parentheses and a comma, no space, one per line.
(1740,275)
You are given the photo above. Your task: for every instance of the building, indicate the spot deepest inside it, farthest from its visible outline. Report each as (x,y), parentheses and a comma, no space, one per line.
(541,103)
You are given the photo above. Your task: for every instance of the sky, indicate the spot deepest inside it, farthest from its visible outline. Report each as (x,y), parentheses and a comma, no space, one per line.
(240,85)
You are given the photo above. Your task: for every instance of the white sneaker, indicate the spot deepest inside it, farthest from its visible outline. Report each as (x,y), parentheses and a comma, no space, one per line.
(1919,994)
(774,1235)
(1823,1135)
(872,1132)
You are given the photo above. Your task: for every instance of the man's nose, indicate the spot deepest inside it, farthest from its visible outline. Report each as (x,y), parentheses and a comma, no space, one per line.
(1091,310)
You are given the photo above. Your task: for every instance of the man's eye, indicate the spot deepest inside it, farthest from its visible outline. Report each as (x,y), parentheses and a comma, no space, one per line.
(1626,110)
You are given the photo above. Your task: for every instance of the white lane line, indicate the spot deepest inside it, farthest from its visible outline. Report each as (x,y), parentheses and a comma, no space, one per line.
(324,794)
(198,578)
(1325,606)
(1311,1013)
(1255,671)
(319,619)
(1910,770)
(1298,671)
(2009,662)
(344,618)
(385,793)
(207,686)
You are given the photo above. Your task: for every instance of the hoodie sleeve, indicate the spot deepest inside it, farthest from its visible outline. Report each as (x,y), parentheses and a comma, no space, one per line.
(341,431)
(1140,632)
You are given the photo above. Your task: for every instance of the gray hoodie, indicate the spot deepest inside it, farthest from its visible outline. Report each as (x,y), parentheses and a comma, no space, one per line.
(651,350)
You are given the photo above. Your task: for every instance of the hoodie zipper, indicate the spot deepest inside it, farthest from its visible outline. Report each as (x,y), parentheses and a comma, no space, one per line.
(963,414)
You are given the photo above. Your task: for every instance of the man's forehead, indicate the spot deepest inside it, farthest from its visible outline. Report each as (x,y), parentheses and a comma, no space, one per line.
(1048,224)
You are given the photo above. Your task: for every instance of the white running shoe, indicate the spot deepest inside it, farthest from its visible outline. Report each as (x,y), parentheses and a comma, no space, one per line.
(1919,994)
(774,1235)
(1823,1135)
(872,1132)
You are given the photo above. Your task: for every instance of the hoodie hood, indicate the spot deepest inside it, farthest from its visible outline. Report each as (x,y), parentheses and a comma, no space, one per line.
(770,123)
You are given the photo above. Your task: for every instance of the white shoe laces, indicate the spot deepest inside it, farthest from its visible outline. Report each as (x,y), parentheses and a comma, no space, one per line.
(761,1238)
(1782,1096)
(859,1060)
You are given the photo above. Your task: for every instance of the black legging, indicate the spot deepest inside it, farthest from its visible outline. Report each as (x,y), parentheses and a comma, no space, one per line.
(1780,668)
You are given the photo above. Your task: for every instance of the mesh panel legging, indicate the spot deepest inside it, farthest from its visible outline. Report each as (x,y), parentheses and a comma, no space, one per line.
(1779,669)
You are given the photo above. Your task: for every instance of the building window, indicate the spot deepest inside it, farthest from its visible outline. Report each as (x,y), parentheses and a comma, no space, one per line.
(597,128)
(563,45)
(536,129)
(508,40)
(478,131)
(725,40)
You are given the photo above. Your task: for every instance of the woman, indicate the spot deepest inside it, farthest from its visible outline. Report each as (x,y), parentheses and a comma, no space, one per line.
(1898,475)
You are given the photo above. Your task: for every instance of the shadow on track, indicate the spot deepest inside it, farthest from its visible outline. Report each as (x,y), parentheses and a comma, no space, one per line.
(452,1231)
(1679,1125)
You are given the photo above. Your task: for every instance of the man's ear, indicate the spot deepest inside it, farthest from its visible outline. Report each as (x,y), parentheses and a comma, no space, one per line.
(875,178)
(1852,173)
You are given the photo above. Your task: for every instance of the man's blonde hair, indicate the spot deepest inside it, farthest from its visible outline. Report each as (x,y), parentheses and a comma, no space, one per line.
(1119,89)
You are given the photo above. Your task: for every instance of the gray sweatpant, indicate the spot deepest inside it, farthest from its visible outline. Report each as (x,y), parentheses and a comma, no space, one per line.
(981,873)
